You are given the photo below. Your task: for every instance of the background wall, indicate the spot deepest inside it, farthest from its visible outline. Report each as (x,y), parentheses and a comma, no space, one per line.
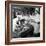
(2,24)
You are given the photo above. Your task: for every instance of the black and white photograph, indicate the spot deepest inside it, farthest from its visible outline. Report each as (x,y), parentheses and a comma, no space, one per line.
(25,21)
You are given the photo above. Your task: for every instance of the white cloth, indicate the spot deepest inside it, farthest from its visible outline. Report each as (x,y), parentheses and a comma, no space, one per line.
(36,19)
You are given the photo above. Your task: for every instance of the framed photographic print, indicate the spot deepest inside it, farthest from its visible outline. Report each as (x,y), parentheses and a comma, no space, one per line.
(24,22)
